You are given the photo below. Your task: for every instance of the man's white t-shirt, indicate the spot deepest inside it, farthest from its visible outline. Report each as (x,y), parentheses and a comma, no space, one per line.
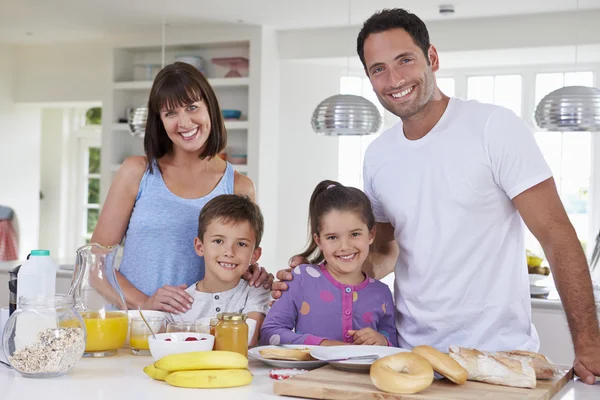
(461,276)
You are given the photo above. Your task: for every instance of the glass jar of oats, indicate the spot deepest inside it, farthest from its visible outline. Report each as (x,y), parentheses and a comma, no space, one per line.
(44,337)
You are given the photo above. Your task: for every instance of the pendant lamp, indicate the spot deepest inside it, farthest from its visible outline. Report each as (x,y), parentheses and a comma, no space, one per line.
(346,114)
(570,108)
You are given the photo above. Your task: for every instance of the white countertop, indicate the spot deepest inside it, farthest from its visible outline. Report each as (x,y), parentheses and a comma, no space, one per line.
(121,378)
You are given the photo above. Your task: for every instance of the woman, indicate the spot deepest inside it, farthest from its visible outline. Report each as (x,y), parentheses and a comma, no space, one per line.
(155,200)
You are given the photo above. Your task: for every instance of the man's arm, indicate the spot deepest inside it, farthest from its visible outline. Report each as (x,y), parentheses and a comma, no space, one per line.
(543,213)
(383,253)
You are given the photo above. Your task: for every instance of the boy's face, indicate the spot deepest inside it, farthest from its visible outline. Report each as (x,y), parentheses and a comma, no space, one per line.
(228,249)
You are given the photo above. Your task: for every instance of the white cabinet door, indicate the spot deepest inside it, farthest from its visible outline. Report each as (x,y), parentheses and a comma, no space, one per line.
(555,338)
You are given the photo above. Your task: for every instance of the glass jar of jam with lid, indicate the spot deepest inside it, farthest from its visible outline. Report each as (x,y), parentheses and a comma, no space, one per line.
(231,333)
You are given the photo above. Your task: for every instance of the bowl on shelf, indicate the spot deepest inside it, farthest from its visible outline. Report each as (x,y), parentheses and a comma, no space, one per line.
(194,61)
(233,63)
(137,121)
(231,114)
(179,342)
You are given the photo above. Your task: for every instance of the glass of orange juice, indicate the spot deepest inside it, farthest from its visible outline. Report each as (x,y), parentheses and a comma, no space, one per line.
(138,335)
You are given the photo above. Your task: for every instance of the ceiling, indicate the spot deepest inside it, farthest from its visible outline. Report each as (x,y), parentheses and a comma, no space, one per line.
(35,21)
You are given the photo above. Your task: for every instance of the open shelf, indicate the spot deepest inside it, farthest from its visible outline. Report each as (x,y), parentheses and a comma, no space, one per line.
(215,83)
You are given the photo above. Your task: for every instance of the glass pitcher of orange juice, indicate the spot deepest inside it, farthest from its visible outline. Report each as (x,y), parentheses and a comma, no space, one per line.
(99,300)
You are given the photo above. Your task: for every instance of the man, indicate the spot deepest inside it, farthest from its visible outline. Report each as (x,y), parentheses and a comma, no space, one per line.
(450,185)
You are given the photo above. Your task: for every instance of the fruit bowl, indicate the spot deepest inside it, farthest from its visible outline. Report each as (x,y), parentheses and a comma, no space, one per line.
(179,342)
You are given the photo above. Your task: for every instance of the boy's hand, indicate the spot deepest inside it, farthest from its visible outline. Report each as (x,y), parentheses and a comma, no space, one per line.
(368,336)
(172,299)
(257,275)
(285,275)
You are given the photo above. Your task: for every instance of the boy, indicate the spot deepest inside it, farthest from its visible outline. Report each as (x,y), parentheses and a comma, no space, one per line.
(230,228)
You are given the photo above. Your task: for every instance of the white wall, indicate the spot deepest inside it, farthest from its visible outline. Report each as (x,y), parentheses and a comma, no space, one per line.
(304,158)
(19,156)
(52,154)
(265,65)
(62,72)
(556,29)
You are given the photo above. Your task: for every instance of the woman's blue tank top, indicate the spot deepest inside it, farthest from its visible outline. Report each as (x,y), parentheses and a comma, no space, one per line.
(159,242)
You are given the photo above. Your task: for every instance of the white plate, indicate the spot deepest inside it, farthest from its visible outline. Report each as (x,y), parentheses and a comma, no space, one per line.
(255,353)
(539,290)
(540,280)
(335,352)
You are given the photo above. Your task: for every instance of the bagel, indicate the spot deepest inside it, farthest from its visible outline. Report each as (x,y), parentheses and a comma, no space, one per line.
(402,373)
(443,364)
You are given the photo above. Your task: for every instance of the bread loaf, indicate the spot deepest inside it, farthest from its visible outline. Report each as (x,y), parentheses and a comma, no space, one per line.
(496,369)
(544,368)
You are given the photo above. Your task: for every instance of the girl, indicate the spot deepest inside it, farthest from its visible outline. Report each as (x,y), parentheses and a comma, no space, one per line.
(155,200)
(331,301)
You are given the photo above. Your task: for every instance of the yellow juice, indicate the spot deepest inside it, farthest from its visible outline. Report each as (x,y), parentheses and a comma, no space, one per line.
(139,342)
(107,333)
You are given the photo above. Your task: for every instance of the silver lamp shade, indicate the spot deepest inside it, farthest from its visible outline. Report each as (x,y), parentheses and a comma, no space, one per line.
(571,108)
(346,114)
(137,121)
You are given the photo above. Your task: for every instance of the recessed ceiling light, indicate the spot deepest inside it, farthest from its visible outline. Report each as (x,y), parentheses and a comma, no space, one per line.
(446,9)
(28,33)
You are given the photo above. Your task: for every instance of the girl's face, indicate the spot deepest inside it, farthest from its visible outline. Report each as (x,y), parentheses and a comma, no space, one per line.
(344,240)
(188,127)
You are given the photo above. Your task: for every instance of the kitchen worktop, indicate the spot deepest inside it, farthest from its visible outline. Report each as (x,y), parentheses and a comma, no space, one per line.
(121,378)
(65,267)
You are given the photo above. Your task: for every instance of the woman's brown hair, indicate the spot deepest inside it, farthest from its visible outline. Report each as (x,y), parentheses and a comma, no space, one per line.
(329,196)
(178,85)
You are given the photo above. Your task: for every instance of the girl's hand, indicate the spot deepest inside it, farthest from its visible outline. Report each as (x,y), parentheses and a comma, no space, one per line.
(172,299)
(368,336)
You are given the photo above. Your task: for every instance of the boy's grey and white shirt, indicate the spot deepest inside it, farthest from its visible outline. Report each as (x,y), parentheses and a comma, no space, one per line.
(242,298)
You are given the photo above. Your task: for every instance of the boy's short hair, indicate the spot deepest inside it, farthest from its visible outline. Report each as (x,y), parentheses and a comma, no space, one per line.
(232,208)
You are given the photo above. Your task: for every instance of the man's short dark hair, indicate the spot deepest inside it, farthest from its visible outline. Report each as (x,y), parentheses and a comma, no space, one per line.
(394,18)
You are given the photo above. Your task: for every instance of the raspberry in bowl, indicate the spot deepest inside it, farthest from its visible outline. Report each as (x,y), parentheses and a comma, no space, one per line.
(179,342)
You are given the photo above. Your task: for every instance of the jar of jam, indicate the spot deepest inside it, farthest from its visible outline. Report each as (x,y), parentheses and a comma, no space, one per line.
(231,333)
(213,325)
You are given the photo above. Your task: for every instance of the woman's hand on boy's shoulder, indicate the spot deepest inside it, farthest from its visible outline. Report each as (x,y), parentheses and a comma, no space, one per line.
(172,299)
(283,275)
(257,276)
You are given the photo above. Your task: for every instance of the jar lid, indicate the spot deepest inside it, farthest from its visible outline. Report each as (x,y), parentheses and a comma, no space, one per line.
(213,321)
(232,316)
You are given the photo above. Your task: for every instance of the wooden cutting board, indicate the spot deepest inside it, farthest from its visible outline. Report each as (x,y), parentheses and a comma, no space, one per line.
(330,383)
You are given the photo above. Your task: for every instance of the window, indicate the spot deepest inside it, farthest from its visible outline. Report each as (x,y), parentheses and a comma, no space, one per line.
(569,155)
(503,90)
(89,154)
(352,148)
(447,86)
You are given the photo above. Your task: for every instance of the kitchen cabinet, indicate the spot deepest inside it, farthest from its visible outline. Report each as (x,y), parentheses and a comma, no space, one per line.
(551,323)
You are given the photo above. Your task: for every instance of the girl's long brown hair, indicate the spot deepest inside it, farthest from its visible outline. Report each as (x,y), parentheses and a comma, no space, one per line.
(329,196)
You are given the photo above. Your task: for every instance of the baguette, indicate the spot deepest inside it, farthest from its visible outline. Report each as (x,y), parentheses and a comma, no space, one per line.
(495,369)
(544,368)
(286,354)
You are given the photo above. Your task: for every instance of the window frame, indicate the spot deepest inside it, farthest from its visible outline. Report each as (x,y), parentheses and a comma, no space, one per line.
(87,136)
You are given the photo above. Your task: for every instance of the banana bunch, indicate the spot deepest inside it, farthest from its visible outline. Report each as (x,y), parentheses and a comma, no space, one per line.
(202,369)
